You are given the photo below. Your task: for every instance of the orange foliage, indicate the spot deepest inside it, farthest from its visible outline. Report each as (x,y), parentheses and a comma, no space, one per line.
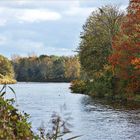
(136,63)
(126,49)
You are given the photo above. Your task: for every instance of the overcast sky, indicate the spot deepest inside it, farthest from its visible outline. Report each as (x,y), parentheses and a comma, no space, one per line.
(45,26)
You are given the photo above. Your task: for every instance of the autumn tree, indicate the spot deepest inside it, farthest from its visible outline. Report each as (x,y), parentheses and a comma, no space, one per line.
(6,68)
(72,68)
(125,59)
(96,46)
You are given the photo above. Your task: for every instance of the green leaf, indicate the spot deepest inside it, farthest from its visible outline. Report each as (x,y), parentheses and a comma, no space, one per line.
(12,89)
(3,93)
(4,86)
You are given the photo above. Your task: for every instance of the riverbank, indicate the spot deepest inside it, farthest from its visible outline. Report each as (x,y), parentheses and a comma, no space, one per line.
(7,80)
(81,87)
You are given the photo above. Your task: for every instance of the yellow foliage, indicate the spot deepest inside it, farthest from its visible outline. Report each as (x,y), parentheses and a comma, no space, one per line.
(6,80)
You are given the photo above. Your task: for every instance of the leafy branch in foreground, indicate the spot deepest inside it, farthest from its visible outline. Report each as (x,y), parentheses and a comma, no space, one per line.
(59,129)
(4,89)
(13,124)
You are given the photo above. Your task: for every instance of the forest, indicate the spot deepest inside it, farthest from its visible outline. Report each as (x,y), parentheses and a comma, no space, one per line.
(46,68)
(39,69)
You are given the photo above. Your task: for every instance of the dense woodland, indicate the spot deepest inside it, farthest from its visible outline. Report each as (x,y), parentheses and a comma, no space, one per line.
(46,68)
(39,69)
(109,54)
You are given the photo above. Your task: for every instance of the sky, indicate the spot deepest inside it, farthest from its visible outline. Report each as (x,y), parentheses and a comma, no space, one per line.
(50,27)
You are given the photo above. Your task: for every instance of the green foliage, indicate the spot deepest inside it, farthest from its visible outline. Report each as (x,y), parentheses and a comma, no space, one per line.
(109,53)
(46,68)
(6,71)
(102,86)
(6,68)
(137,98)
(78,86)
(13,124)
(96,39)
(95,48)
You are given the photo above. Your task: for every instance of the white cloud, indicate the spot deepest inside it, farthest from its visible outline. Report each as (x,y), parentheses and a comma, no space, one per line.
(59,51)
(75,9)
(59,37)
(78,11)
(35,15)
(24,47)
(8,15)
(27,45)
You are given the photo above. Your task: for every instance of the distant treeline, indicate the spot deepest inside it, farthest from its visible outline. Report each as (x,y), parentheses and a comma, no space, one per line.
(46,68)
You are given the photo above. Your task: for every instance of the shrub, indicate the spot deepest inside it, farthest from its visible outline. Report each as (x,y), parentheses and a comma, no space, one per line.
(78,86)
(13,125)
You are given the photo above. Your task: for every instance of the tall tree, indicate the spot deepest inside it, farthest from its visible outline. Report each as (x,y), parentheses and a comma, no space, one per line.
(72,68)
(125,59)
(96,39)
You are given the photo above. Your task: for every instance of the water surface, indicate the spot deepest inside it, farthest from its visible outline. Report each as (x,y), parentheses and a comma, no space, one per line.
(91,118)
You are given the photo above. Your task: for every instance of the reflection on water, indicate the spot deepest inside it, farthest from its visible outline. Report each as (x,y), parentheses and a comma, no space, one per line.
(94,119)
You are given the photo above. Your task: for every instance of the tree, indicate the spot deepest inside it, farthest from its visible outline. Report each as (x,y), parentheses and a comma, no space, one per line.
(59,68)
(6,68)
(95,48)
(125,59)
(96,39)
(72,68)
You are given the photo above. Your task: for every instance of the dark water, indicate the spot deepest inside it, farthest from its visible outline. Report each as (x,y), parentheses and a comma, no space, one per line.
(93,119)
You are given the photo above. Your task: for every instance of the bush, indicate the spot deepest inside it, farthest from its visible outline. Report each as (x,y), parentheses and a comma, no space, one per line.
(78,86)
(6,68)
(6,71)
(13,125)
